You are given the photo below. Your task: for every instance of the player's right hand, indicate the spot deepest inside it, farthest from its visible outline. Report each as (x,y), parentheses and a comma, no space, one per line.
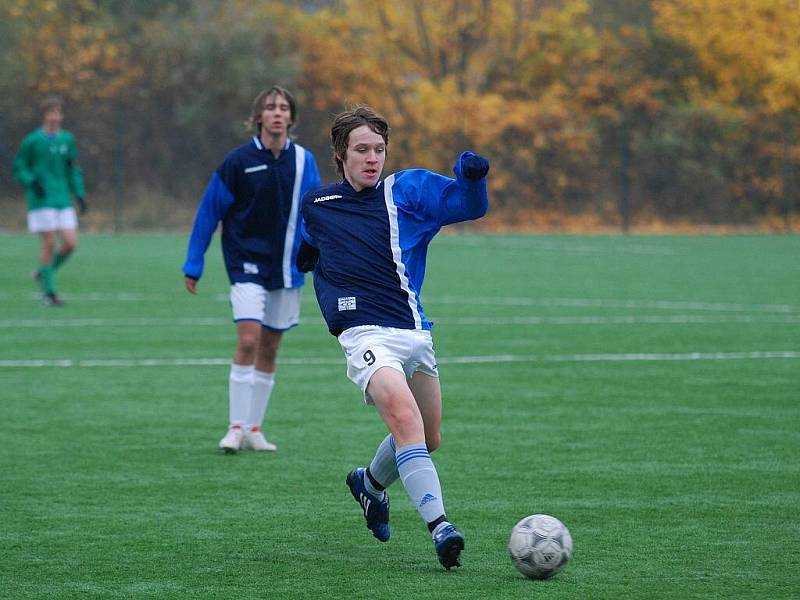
(474,166)
(190,283)
(37,188)
(307,257)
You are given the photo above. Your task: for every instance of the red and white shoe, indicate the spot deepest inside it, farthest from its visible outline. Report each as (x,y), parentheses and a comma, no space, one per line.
(232,442)
(255,440)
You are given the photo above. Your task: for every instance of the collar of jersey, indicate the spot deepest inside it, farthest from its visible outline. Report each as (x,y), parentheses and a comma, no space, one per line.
(363,192)
(260,146)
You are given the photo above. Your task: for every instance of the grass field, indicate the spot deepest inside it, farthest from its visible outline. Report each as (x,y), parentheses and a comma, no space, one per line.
(645,390)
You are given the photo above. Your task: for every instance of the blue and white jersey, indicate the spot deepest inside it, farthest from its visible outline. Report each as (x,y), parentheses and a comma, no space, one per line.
(257,198)
(373,244)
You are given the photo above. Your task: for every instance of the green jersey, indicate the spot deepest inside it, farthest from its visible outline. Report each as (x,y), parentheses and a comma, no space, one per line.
(50,160)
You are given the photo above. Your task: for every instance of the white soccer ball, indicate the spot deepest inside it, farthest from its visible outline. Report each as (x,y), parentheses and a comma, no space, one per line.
(540,546)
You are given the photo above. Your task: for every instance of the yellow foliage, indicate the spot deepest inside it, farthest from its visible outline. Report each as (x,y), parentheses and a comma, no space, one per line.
(750,47)
(487,75)
(66,51)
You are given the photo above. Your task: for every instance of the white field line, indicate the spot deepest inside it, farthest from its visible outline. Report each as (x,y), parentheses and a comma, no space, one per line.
(611,303)
(499,358)
(620,320)
(567,247)
(489,321)
(429,301)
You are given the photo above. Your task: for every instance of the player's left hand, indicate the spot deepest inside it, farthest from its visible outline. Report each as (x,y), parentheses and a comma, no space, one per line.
(474,166)
(82,207)
(190,283)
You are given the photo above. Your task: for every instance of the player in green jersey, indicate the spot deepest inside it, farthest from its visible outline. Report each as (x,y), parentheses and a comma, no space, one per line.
(45,166)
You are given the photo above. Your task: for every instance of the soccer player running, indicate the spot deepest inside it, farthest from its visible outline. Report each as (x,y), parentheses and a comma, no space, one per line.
(45,165)
(367,242)
(256,193)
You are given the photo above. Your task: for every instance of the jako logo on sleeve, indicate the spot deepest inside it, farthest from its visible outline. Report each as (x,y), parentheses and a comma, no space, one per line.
(324,198)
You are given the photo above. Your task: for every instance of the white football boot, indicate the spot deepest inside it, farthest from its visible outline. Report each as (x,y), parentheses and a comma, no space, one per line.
(255,440)
(232,442)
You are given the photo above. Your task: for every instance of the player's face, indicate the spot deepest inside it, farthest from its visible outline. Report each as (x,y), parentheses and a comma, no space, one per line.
(366,154)
(53,119)
(276,116)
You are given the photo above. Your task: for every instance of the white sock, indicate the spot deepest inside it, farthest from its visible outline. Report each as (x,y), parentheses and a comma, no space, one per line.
(421,480)
(263,383)
(240,393)
(384,465)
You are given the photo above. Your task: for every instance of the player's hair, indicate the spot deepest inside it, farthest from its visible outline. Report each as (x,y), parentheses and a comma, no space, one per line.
(254,122)
(349,120)
(50,102)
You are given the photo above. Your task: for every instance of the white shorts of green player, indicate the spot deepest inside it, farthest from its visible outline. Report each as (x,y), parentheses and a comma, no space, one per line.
(52,219)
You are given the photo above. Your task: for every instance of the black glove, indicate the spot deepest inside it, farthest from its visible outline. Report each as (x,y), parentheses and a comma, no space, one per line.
(37,188)
(474,167)
(81,204)
(307,257)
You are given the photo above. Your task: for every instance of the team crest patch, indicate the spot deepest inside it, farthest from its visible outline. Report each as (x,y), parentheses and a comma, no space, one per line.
(250,268)
(347,303)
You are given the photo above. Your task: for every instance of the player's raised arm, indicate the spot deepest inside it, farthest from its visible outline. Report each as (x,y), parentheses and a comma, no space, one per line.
(463,199)
(469,199)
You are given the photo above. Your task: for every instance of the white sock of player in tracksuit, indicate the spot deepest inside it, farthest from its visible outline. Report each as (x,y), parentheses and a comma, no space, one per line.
(263,383)
(240,393)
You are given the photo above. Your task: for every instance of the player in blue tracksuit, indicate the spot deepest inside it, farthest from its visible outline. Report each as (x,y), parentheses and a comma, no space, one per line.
(367,242)
(256,194)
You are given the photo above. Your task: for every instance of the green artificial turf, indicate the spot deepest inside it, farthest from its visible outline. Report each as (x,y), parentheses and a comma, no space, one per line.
(644,390)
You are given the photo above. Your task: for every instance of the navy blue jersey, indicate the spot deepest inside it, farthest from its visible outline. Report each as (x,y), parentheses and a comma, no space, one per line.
(257,198)
(373,244)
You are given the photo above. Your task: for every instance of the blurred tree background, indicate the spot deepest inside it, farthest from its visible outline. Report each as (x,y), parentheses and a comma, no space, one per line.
(605,113)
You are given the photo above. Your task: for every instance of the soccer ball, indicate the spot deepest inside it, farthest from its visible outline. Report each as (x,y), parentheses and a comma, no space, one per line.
(540,546)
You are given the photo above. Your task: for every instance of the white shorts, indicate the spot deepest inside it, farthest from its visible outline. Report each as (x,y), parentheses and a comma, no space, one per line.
(52,219)
(370,347)
(278,310)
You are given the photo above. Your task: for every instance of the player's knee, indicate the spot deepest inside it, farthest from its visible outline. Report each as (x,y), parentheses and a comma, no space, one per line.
(433,440)
(268,351)
(248,343)
(406,424)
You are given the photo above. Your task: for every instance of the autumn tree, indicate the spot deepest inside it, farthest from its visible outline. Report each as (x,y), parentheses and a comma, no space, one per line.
(66,47)
(750,53)
(206,62)
(649,109)
(493,75)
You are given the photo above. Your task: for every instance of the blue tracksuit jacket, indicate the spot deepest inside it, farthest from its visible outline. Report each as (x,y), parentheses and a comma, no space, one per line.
(257,198)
